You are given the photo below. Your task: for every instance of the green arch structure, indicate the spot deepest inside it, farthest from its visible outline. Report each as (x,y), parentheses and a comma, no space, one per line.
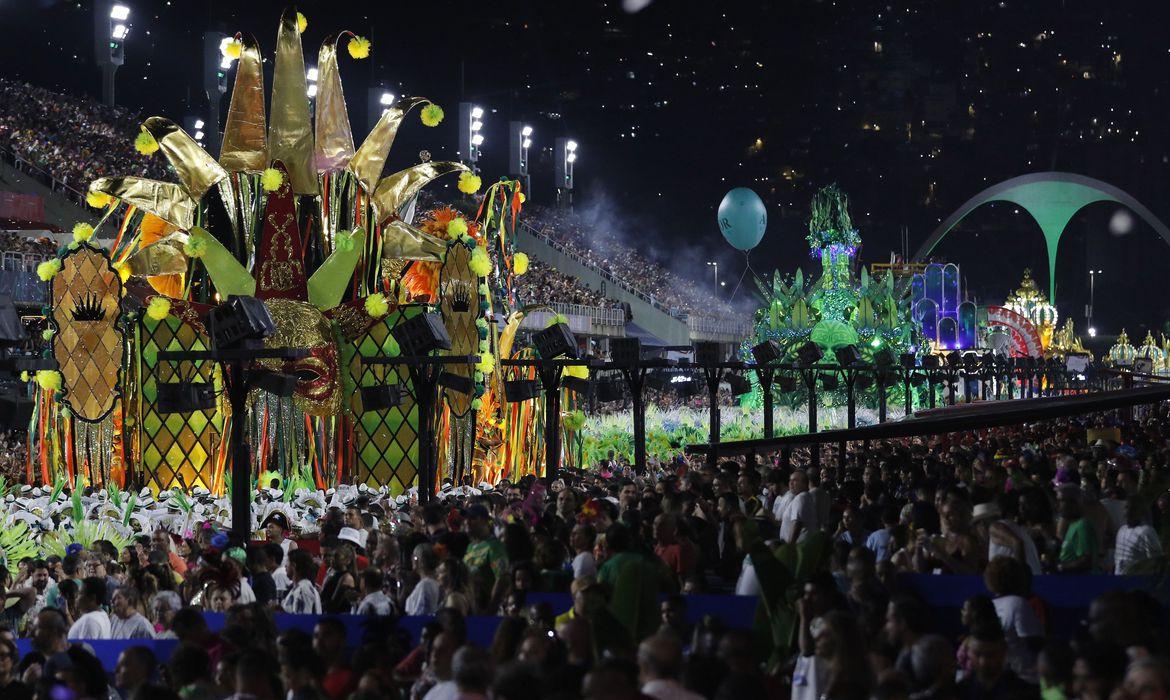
(1052,199)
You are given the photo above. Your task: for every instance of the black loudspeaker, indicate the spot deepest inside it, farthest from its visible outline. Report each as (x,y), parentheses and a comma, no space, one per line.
(240,322)
(554,341)
(809,354)
(277,383)
(864,381)
(380,397)
(457,382)
(577,385)
(420,334)
(829,381)
(739,384)
(848,355)
(519,390)
(909,360)
(15,412)
(687,388)
(766,352)
(625,351)
(884,358)
(786,382)
(707,353)
(930,361)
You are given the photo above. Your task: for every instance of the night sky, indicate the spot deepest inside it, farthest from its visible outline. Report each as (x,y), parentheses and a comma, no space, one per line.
(911,106)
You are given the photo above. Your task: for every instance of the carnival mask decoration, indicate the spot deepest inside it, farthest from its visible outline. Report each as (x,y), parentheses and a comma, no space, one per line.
(87,343)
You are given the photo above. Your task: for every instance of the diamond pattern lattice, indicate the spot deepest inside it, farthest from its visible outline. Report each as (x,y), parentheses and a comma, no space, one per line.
(87,345)
(385,442)
(460,307)
(177,449)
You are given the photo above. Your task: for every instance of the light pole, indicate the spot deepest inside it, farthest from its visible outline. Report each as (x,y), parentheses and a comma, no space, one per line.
(566,156)
(470,133)
(712,263)
(520,140)
(1089,310)
(111,26)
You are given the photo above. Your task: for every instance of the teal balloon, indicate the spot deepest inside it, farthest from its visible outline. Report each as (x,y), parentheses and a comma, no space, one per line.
(742,218)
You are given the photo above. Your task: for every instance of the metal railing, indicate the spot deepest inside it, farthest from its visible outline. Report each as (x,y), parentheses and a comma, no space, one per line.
(710,326)
(597,314)
(42,176)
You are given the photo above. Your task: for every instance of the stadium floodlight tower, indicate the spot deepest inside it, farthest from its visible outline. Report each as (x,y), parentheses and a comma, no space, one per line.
(197,128)
(380,100)
(111,26)
(566,157)
(519,141)
(311,77)
(216,65)
(470,133)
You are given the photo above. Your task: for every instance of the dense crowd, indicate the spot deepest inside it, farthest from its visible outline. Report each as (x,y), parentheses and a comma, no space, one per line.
(15,243)
(544,284)
(822,549)
(73,139)
(604,249)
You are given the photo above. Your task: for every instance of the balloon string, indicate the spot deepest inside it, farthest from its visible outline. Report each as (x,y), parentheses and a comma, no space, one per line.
(747,265)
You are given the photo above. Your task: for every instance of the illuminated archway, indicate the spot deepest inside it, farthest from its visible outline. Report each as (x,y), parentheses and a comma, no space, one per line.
(1052,199)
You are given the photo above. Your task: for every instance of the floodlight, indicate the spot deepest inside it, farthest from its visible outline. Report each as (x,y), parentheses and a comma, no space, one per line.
(456,382)
(420,334)
(476,125)
(381,397)
(707,353)
(387,98)
(571,146)
(198,124)
(120,13)
(477,140)
(739,385)
(766,352)
(519,390)
(198,135)
(119,31)
(625,350)
(1092,332)
(276,383)
(554,341)
(185,397)
(526,131)
(572,158)
(241,321)
(312,75)
(527,143)
(847,355)
(609,390)
(809,353)
(577,385)
(225,63)
(476,112)
(312,91)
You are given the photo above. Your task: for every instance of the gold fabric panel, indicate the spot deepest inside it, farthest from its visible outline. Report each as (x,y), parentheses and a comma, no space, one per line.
(166,200)
(334,138)
(87,345)
(165,257)
(400,240)
(197,170)
(290,135)
(245,146)
(397,189)
(369,161)
(459,304)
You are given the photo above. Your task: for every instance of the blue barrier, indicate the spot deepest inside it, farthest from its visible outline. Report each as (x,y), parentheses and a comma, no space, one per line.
(1066,599)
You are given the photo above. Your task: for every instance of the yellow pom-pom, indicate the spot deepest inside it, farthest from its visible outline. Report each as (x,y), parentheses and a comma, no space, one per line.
(480,263)
(145,144)
(523,198)
(232,48)
(49,379)
(47,334)
(123,270)
(24,377)
(358,47)
(519,264)
(457,227)
(431,115)
(196,245)
(578,371)
(487,363)
(271,180)
(469,182)
(302,23)
(377,306)
(158,308)
(98,200)
(82,232)
(49,269)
